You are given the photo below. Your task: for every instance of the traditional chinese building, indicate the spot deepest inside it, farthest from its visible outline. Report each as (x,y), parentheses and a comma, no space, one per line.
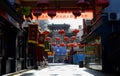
(12,40)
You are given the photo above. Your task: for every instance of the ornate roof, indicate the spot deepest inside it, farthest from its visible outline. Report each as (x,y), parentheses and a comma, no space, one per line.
(53,27)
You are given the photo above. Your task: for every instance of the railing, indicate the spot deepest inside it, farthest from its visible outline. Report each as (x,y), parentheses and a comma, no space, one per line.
(96,22)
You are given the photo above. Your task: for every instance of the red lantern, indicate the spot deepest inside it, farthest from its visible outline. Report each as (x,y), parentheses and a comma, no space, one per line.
(68,44)
(54,44)
(46,32)
(71,44)
(83,3)
(47,38)
(66,38)
(36,12)
(43,3)
(58,45)
(76,13)
(75,45)
(62,44)
(73,37)
(80,45)
(57,38)
(51,14)
(61,32)
(102,3)
(75,31)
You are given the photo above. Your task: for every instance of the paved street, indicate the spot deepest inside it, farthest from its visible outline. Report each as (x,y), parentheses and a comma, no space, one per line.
(61,69)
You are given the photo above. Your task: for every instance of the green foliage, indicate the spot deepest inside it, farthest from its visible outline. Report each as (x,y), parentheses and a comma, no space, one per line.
(24,10)
(27,10)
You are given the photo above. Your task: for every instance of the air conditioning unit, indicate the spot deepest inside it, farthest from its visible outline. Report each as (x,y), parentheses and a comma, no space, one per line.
(88,22)
(113,16)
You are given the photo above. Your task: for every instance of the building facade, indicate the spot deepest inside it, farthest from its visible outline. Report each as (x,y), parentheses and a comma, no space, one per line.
(12,40)
(102,40)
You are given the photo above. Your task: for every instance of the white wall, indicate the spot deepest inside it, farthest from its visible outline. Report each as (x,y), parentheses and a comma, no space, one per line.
(80,34)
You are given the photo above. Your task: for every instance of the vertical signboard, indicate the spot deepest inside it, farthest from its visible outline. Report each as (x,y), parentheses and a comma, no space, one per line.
(33,33)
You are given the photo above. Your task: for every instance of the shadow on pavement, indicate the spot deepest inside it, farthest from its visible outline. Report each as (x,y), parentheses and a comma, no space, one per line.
(98,73)
(28,74)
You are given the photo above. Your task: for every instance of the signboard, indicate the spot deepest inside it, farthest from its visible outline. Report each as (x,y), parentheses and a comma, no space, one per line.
(41,40)
(59,50)
(33,33)
(47,46)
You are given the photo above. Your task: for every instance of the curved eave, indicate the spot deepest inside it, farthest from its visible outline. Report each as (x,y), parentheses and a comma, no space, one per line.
(5,6)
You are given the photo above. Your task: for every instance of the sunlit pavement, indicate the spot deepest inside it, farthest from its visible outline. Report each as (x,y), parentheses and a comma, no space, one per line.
(61,69)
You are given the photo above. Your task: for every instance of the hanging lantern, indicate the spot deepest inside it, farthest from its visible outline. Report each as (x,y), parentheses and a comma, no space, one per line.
(68,44)
(102,3)
(75,31)
(65,38)
(43,3)
(57,38)
(73,38)
(75,45)
(36,12)
(47,38)
(58,45)
(46,32)
(51,14)
(62,44)
(71,44)
(76,13)
(54,44)
(79,44)
(61,32)
(83,3)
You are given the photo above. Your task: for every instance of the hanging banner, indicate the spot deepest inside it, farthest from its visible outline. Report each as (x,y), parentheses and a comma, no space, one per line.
(39,53)
(33,33)
(47,46)
(40,48)
(41,40)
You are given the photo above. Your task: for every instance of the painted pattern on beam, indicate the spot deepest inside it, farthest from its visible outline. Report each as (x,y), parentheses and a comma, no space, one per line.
(65,15)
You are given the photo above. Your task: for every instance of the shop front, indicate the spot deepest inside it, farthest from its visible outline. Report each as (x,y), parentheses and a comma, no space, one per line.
(8,46)
(12,46)
(93,54)
(98,46)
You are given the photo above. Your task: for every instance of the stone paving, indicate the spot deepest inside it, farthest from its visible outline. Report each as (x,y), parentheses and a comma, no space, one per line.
(61,69)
